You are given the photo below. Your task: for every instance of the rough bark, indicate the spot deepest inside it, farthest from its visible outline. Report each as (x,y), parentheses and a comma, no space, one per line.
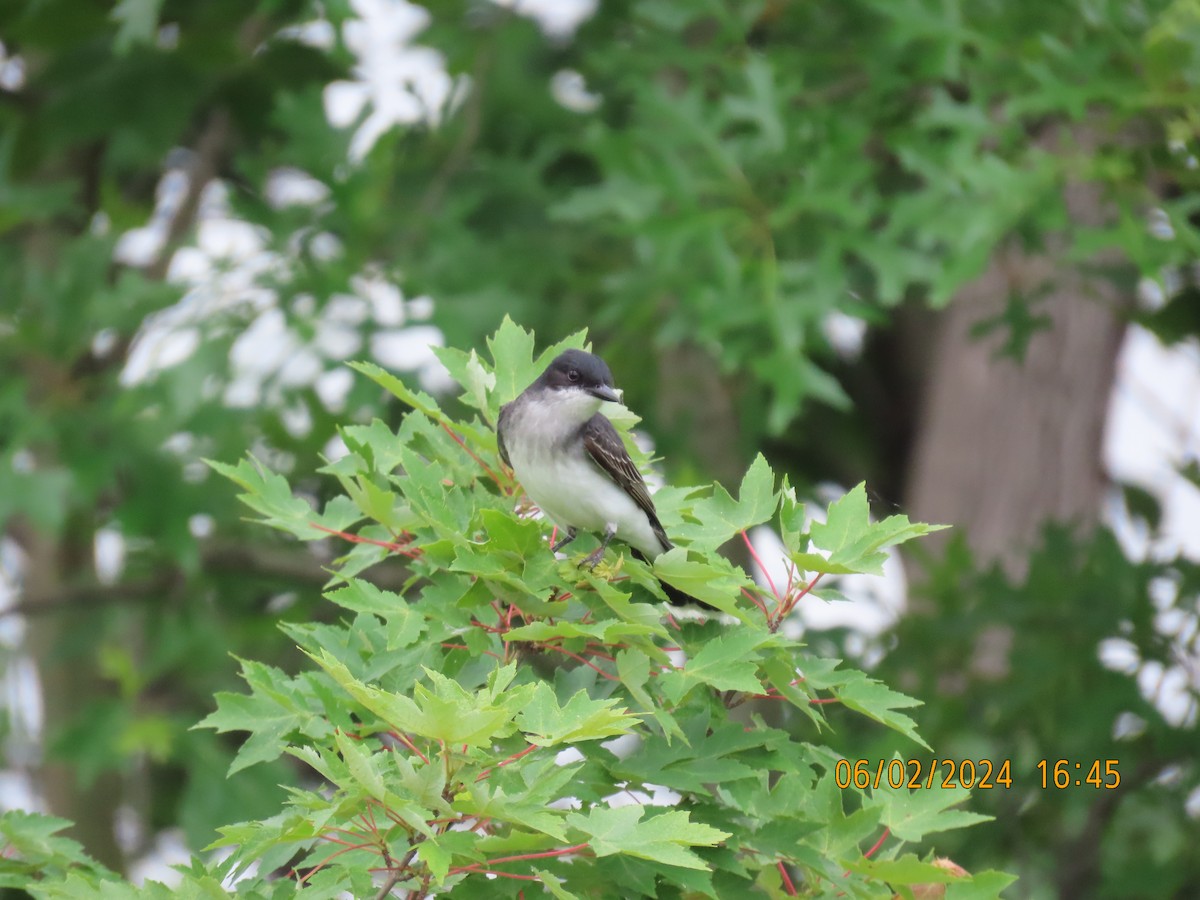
(69,684)
(1004,445)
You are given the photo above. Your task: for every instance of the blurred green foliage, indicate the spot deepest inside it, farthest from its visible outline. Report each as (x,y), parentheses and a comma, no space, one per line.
(1085,660)
(749,170)
(429,726)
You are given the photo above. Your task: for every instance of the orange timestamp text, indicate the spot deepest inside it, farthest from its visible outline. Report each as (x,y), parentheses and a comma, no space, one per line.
(1056,774)
(1064,773)
(928,774)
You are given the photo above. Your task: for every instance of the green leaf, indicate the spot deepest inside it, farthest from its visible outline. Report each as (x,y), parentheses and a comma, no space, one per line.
(913,814)
(449,713)
(855,544)
(274,710)
(907,869)
(487,800)
(875,699)
(435,857)
(418,400)
(477,382)
(270,495)
(32,840)
(554,885)
(511,348)
(138,20)
(726,663)
(986,885)
(663,838)
(361,766)
(609,631)
(402,624)
(714,580)
(546,724)
(715,519)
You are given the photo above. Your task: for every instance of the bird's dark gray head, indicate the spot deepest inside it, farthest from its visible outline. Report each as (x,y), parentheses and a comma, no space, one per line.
(578,369)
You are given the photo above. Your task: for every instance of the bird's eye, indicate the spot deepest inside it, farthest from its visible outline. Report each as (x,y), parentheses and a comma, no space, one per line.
(572,375)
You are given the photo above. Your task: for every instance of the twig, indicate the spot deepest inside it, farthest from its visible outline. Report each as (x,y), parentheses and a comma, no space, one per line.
(396,874)
(218,558)
(209,149)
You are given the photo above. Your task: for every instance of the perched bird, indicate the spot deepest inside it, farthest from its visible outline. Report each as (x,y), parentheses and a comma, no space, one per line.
(571,461)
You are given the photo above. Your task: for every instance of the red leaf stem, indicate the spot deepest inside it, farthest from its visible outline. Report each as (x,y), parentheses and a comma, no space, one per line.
(788,887)
(458,440)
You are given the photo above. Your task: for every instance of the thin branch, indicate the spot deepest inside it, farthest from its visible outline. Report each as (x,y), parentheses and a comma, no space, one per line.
(298,566)
(396,874)
(209,149)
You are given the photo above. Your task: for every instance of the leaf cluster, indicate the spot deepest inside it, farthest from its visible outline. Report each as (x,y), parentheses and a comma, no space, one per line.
(509,717)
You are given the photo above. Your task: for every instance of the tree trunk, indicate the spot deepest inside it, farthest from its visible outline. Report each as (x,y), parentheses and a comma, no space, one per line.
(1003,444)
(69,683)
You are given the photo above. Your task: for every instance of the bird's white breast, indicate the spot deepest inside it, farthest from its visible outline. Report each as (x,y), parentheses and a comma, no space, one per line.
(559,476)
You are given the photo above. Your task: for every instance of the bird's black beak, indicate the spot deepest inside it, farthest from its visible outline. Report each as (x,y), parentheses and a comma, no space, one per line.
(604,392)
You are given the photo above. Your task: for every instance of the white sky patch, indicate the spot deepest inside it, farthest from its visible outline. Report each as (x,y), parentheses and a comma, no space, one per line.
(201,525)
(557,18)
(570,91)
(387,302)
(846,334)
(335,448)
(289,186)
(108,550)
(1153,428)
(141,246)
(12,563)
(396,82)
(408,349)
(12,71)
(652,795)
(169,850)
(22,692)
(318,33)
(336,341)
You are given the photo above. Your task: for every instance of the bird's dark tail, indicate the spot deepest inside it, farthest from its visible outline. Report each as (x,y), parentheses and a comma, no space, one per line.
(675,596)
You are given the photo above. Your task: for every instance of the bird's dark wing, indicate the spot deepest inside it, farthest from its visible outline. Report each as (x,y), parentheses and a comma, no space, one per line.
(500,434)
(604,446)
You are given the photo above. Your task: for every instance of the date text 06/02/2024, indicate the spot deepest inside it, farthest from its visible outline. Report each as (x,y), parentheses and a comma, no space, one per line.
(1052,774)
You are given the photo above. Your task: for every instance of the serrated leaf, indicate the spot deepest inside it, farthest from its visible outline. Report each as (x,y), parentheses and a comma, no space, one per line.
(451,714)
(792,518)
(488,800)
(663,838)
(270,495)
(511,349)
(554,885)
(714,580)
(907,869)
(718,517)
(436,858)
(633,668)
(479,384)
(546,724)
(982,886)
(875,699)
(853,542)
(608,631)
(726,663)
(913,814)
(272,711)
(418,400)
(402,624)
(361,767)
